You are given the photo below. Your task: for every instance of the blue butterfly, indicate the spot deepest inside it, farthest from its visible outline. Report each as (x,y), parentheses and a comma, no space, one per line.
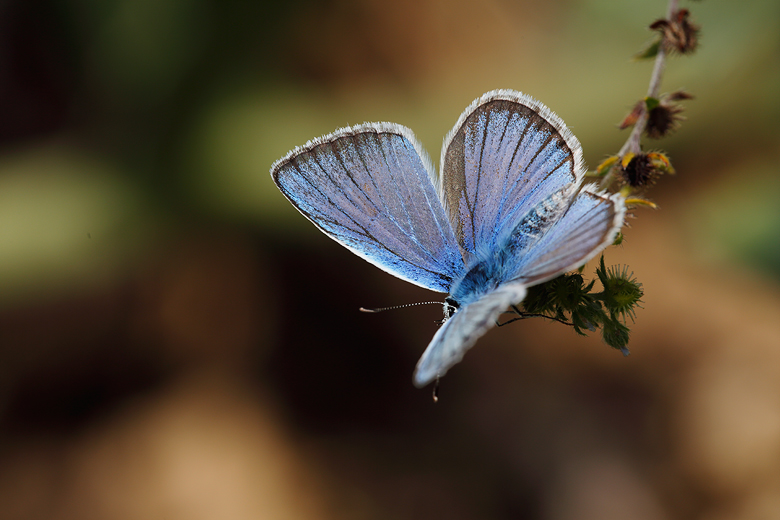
(508,210)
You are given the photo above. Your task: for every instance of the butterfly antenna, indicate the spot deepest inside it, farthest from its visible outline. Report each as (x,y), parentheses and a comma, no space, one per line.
(363,309)
(436,390)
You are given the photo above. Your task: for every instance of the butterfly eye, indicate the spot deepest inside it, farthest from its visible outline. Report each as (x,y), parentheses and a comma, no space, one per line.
(450,306)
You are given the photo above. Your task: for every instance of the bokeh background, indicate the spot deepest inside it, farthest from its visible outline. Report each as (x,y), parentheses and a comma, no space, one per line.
(177,342)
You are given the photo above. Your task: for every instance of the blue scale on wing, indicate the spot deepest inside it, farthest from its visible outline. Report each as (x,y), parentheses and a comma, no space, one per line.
(499,164)
(383,180)
(545,173)
(371,192)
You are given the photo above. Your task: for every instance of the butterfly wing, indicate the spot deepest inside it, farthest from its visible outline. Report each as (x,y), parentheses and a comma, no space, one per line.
(588,226)
(506,154)
(369,188)
(461,331)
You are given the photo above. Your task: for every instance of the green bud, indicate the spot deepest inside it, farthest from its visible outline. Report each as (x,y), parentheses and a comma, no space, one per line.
(621,292)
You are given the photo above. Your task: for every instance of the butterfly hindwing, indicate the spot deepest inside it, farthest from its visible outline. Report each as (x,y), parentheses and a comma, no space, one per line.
(588,226)
(369,187)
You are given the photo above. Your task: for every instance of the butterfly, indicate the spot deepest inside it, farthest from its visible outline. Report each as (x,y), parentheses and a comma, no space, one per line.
(507,211)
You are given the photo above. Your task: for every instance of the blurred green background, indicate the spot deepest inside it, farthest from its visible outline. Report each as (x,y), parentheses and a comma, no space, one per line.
(176,341)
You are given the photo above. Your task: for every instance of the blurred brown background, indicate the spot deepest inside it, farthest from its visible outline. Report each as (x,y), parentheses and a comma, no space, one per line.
(177,342)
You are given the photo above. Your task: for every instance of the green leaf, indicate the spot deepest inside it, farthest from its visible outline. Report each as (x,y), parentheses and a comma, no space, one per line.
(651,103)
(615,334)
(650,51)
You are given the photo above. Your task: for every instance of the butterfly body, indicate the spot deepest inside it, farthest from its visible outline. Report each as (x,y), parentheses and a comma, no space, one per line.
(506,212)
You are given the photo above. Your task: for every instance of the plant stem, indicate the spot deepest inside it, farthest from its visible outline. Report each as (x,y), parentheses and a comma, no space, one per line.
(632,143)
(525,315)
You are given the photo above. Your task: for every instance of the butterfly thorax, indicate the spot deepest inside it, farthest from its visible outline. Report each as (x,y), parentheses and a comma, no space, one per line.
(499,263)
(481,278)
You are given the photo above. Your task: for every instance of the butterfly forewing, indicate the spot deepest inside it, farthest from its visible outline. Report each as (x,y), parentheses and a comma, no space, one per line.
(506,154)
(369,188)
(459,333)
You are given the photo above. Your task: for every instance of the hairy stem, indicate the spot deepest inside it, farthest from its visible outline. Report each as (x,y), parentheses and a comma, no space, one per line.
(632,143)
